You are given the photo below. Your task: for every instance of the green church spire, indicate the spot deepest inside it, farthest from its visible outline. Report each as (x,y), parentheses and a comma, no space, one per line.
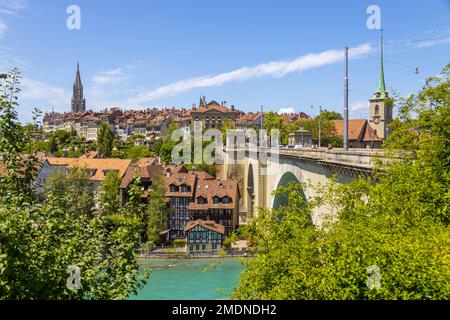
(381,88)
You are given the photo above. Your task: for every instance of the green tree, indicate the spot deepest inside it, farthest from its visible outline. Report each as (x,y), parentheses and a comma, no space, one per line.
(157,210)
(39,241)
(226,126)
(327,131)
(399,225)
(109,197)
(165,150)
(137,152)
(272,121)
(330,115)
(105,140)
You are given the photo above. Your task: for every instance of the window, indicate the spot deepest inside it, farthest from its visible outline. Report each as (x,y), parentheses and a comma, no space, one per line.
(185,188)
(197,247)
(173,188)
(201,200)
(216,200)
(203,247)
(377,109)
(214,246)
(226,200)
(191,248)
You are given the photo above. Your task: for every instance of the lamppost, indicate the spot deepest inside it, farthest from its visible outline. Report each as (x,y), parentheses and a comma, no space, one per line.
(320,126)
(302,137)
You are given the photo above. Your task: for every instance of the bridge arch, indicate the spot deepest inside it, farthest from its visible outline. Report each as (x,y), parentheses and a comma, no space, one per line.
(286,178)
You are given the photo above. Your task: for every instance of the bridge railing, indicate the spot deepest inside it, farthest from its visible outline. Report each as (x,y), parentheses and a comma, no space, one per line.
(356,157)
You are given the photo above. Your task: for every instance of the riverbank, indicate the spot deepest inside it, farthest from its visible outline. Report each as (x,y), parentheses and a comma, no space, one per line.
(190,279)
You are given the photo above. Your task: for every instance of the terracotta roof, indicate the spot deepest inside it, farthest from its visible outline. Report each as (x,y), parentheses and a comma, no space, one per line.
(213,105)
(209,189)
(90,155)
(370,134)
(99,166)
(292,117)
(149,171)
(179,179)
(210,225)
(202,175)
(358,130)
(146,161)
(175,168)
(41,157)
(250,117)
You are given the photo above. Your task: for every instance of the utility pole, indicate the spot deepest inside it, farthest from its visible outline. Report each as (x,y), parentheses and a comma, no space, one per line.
(262,117)
(346,101)
(262,124)
(320,124)
(302,137)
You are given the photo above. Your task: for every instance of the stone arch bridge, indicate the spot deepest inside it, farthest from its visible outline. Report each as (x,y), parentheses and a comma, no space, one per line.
(259,176)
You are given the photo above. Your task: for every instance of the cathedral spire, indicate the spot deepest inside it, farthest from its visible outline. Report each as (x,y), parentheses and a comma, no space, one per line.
(78,100)
(77,75)
(381,87)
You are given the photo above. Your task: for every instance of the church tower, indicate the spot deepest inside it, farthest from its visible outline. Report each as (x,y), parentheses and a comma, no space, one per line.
(380,108)
(78,101)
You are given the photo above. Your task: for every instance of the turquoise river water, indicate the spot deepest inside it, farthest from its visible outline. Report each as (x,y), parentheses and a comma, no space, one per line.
(190,279)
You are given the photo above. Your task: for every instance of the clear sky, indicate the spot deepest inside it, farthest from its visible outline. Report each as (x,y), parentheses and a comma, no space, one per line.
(279,54)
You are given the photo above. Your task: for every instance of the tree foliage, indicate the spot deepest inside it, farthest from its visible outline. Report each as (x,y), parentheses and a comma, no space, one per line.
(157,210)
(165,147)
(399,224)
(109,199)
(39,241)
(105,140)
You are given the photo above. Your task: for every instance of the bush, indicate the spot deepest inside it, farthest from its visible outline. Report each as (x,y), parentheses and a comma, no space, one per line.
(179,243)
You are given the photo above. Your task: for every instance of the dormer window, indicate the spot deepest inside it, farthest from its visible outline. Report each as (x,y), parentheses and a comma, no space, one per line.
(185,188)
(173,188)
(201,200)
(226,200)
(216,200)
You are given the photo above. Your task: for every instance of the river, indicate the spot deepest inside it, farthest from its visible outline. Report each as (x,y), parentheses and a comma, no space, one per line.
(190,279)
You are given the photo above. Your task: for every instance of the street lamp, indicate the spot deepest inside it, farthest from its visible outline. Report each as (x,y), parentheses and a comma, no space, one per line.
(320,125)
(302,137)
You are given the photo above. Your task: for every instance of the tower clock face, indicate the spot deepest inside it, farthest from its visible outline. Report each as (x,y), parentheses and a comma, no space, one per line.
(376,120)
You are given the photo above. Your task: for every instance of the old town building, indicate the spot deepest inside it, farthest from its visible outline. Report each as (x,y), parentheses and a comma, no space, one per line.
(211,115)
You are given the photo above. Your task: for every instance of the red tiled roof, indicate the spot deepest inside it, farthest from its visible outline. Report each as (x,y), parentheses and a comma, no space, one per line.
(202,175)
(100,166)
(90,155)
(210,225)
(209,189)
(179,179)
(213,105)
(149,171)
(358,130)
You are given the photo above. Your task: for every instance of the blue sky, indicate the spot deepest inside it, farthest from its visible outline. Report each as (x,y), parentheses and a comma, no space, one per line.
(279,54)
